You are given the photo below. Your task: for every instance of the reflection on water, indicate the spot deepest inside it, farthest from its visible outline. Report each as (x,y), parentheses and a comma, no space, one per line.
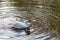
(11,8)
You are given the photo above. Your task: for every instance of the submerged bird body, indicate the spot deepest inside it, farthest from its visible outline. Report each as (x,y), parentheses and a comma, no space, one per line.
(20,25)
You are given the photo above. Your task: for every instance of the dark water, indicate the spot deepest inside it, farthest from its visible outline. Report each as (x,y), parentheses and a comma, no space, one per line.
(45,12)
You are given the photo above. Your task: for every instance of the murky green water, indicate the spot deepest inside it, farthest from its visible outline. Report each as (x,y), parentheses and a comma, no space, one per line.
(46,12)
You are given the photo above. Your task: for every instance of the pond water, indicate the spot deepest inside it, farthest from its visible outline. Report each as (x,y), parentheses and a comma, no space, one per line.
(8,11)
(9,34)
